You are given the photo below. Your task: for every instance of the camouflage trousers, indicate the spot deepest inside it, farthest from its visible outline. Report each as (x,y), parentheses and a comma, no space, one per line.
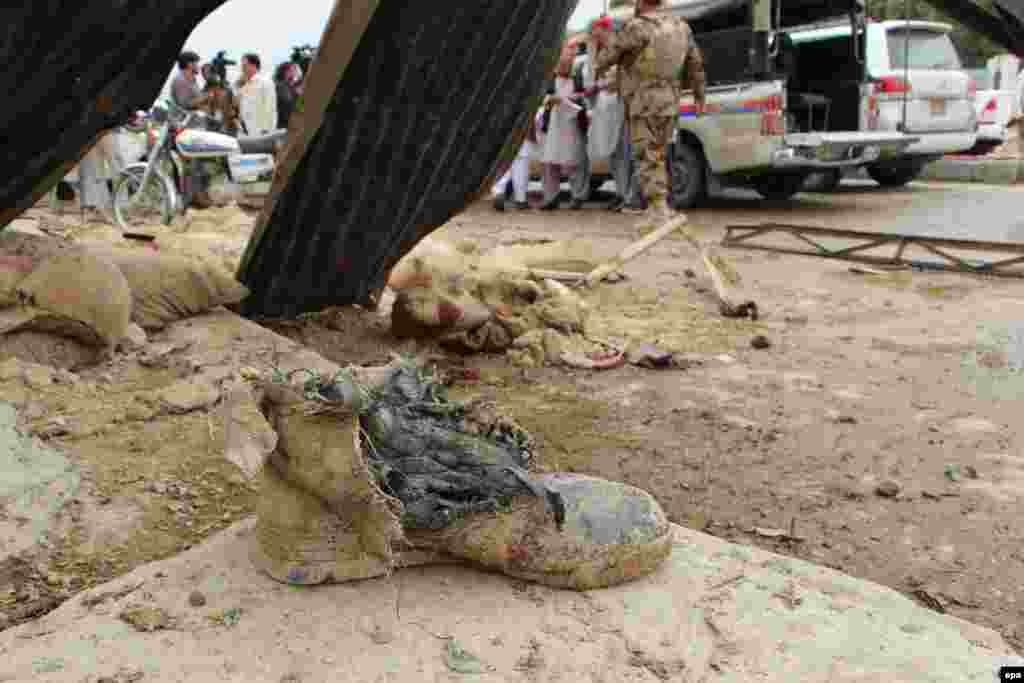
(650,136)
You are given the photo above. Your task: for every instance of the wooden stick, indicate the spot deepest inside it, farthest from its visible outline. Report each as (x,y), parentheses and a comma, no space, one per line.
(634,250)
(728,304)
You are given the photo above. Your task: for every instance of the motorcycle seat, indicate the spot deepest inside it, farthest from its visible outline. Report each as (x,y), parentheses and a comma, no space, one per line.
(262,144)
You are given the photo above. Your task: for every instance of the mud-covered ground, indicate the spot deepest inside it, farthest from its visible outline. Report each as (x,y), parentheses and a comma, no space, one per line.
(879,434)
(876,435)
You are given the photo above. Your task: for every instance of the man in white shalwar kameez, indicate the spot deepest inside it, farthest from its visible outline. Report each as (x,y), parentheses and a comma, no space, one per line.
(559,146)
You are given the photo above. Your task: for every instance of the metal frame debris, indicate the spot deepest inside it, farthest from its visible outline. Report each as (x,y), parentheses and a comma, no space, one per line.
(741,236)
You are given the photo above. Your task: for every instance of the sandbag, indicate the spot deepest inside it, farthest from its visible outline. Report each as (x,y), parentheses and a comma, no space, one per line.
(168,287)
(20,254)
(79,295)
(429,259)
(48,349)
(425,312)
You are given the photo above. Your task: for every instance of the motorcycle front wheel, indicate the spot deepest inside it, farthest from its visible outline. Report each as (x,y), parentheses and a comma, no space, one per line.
(137,207)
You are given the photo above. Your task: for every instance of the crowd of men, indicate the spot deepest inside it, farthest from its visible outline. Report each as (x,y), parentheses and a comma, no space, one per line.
(252,105)
(614,95)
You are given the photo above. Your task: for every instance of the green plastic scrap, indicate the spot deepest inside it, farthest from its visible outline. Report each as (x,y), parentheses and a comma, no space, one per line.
(460,661)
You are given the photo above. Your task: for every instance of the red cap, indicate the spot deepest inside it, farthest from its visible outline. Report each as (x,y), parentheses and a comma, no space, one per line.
(604,22)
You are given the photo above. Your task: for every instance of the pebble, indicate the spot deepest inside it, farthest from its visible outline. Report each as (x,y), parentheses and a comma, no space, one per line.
(840,418)
(760,342)
(381,636)
(888,489)
(196,599)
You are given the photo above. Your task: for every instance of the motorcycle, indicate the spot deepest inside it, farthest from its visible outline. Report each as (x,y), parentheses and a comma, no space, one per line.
(157,190)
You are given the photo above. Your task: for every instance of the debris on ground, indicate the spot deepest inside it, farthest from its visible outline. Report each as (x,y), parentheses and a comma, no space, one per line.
(957,472)
(888,489)
(760,342)
(460,661)
(147,619)
(506,301)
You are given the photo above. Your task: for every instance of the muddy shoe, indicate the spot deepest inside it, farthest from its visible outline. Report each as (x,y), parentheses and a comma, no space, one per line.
(610,533)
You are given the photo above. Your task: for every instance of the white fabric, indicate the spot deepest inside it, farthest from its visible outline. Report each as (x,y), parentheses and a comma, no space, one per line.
(257,104)
(560,144)
(518,174)
(587,64)
(606,120)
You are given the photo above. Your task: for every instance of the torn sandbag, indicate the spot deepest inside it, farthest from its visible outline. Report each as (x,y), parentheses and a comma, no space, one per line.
(79,69)
(390,161)
(351,458)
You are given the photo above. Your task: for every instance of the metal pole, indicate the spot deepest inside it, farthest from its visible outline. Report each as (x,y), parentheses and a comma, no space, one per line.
(906,62)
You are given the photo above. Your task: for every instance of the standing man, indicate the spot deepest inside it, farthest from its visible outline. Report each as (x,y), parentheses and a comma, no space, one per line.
(185,94)
(582,78)
(257,98)
(654,52)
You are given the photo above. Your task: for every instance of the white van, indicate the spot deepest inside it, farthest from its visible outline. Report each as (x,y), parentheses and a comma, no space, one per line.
(916,85)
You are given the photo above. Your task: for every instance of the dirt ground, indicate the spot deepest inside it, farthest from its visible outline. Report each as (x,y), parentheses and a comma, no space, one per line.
(876,435)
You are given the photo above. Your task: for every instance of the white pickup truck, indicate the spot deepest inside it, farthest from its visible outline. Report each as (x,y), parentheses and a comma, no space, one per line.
(745,138)
(767,124)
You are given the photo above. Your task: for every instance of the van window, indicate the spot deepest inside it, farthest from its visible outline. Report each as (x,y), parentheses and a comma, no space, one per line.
(927,49)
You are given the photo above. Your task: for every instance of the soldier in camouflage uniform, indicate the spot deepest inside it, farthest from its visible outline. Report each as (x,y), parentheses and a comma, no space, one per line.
(654,54)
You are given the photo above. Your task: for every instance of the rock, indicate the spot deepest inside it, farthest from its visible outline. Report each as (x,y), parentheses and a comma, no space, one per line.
(381,636)
(715,611)
(689,272)
(135,339)
(188,395)
(838,417)
(10,369)
(888,489)
(554,343)
(972,425)
(798,319)
(146,618)
(760,342)
(196,599)
(38,376)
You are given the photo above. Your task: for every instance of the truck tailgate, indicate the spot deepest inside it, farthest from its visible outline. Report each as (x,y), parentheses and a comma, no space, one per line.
(840,145)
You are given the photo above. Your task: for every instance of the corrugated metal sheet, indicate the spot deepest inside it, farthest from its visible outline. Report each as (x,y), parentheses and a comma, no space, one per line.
(71,70)
(419,120)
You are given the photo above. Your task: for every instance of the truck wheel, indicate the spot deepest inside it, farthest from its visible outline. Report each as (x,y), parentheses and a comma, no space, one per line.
(687,178)
(895,174)
(779,186)
(824,181)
